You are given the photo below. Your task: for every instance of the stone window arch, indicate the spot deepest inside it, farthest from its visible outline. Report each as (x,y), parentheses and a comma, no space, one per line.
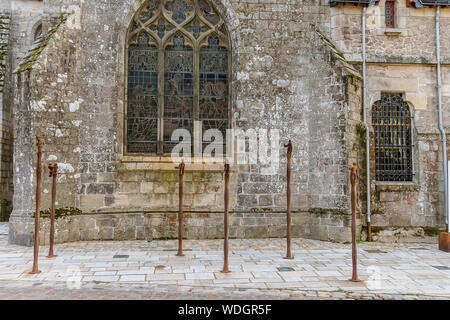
(392,125)
(37,31)
(178,64)
(34,30)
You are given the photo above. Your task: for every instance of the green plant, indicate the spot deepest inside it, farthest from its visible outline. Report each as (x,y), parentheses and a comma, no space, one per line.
(61,212)
(361,129)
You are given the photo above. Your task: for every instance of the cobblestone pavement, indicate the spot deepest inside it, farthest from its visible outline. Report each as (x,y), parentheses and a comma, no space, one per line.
(142,270)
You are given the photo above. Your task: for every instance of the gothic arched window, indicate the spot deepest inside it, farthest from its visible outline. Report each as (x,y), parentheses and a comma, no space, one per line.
(391,121)
(177,73)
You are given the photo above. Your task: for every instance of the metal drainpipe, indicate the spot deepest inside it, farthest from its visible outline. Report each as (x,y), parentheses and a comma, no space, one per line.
(441,128)
(363,27)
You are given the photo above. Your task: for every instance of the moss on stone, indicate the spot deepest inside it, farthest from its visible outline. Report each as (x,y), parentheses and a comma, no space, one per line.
(262,210)
(376,230)
(39,46)
(376,211)
(361,130)
(338,55)
(5,209)
(61,212)
(432,231)
(328,211)
(428,231)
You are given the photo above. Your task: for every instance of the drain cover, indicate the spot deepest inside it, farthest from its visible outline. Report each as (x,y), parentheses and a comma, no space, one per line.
(285,269)
(37,284)
(374,251)
(418,248)
(177,250)
(121,256)
(160,266)
(441,267)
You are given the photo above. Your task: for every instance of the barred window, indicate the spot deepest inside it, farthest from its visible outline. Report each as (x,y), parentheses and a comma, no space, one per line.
(391,120)
(389,15)
(177,73)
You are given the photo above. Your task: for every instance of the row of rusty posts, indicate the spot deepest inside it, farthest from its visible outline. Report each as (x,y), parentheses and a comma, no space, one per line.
(288,199)
(53,168)
(226,216)
(225,219)
(353,175)
(180,211)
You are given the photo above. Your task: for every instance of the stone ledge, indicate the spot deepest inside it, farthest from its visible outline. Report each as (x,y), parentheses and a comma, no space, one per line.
(199,225)
(392,31)
(382,186)
(403,234)
(355,58)
(136,165)
(187,209)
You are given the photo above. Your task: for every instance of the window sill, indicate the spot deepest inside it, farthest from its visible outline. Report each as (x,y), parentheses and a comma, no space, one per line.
(130,163)
(396,186)
(392,31)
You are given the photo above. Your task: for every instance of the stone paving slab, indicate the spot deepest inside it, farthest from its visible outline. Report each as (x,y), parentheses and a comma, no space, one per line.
(317,266)
(4,228)
(133,291)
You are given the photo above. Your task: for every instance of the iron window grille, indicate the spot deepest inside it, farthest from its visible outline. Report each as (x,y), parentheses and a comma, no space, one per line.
(428,3)
(178,67)
(354,2)
(391,121)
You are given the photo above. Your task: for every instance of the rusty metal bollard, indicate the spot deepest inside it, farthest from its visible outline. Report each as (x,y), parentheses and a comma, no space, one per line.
(288,195)
(353,175)
(180,210)
(225,220)
(53,173)
(38,203)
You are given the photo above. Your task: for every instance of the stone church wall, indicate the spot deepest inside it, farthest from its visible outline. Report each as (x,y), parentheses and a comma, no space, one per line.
(403,60)
(284,76)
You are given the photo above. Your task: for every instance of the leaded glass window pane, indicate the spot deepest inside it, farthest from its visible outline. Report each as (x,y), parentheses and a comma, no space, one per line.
(391,122)
(208,13)
(142,109)
(213,87)
(179,9)
(177,73)
(178,90)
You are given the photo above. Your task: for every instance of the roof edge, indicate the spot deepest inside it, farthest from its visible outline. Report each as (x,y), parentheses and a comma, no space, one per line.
(409,3)
(338,55)
(38,46)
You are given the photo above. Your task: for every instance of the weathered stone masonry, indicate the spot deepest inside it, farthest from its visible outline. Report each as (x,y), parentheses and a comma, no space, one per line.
(403,60)
(294,68)
(5,132)
(285,76)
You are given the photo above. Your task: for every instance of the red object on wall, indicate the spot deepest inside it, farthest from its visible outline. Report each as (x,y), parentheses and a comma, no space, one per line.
(389,14)
(444,241)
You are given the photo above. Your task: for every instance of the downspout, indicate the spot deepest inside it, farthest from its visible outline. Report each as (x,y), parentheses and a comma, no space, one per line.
(441,128)
(363,27)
